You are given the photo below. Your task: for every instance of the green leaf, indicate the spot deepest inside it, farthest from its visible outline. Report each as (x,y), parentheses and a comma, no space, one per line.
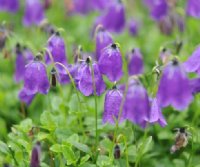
(69,155)
(4,148)
(84,159)
(56,148)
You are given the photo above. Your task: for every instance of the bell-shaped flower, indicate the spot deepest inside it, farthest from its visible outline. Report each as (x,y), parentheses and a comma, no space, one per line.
(193,62)
(135,62)
(112,105)
(9,5)
(137,106)
(103,39)
(86,79)
(56,47)
(133,27)
(35,78)
(114,18)
(35,155)
(24,97)
(174,87)
(193,8)
(156,115)
(34,12)
(110,63)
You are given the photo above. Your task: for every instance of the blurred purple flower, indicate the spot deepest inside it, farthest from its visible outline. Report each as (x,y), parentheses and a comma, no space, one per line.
(133,26)
(114,18)
(9,5)
(85,80)
(156,115)
(56,47)
(35,78)
(112,104)
(193,62)
(103,39)
(193,8)
(26,98)
(136,106)
(110,62)
(23,58)
(34,13)
(135,62)
(35,155)
(174,87)
(195,85)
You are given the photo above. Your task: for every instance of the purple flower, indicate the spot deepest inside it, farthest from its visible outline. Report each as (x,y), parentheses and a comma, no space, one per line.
(133,27)
(23,58)
(34,13)
(24,97)
(166,25)
(114,19)
(174,87)
(135,62)
(156,115)
(193,62)
(103,39)
(85,83)
(193,8)
(112,104)
(9,5)
(35,78)
(56,46)
(136,106)
(35,155)
(101,4)
(63,76)
(110,63)
(195,85)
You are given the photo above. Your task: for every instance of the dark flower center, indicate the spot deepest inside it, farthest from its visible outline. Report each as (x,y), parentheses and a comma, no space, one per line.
(88,60)
(182,130)
(114,46)
(174,62)
(57,33)
(164,50)
(38,57)
(133,50)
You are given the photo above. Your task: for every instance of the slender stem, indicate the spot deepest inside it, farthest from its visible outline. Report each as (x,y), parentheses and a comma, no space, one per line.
(126,151)
(96,114)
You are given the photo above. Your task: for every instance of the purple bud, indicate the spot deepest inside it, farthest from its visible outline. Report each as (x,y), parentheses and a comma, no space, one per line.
(156,115)
(53,77)
(174,88)
(112,104)
(56,46)
(24,97)
(193,62)
(135,62)
(133,27)
(110,63)
(166,25)
(85,83)
(136,104)
(35,155)
(114,19)
(9,5)
(195,85)
(193,8)
(34,13)
(35,78)
(103,39)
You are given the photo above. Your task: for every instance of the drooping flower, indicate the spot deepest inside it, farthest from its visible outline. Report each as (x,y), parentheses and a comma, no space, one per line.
(156,115)
(24,97)
(112,104)
(135,62)
(19,64)
(133,27)
(56,47)
(195,85)
(35,78)
(9,5)
(103,39)
(85,79)
(28,55)
(35,155)
(174,87)
(110,62)
(114,18)
(193,8)
(34,13)
(193,62)
(136,106)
